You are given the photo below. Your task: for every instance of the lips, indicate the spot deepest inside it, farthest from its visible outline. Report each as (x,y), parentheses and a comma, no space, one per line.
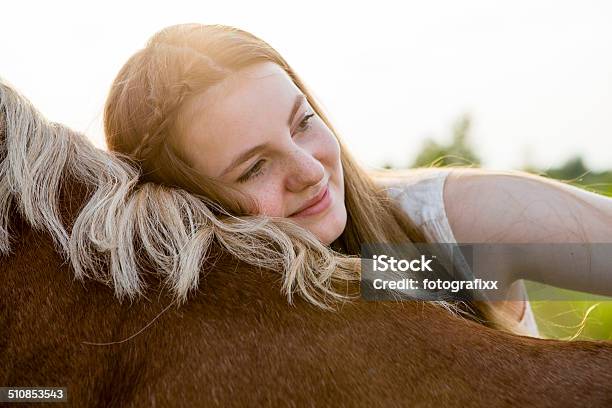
(312,203)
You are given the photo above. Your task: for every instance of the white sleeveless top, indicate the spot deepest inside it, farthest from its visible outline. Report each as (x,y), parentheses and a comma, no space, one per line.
(420,193)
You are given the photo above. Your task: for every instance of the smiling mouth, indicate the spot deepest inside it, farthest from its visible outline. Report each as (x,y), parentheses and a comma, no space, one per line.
(318,205)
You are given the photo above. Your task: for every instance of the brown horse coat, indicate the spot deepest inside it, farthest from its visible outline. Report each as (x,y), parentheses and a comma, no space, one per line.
(238,343)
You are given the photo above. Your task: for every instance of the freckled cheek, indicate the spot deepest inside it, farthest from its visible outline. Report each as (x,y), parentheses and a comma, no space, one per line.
(270,199)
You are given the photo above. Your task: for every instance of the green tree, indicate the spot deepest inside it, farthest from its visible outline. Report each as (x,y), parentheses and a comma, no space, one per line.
(458,152)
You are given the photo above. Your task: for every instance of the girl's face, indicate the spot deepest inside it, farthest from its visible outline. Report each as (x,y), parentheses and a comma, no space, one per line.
(256,132)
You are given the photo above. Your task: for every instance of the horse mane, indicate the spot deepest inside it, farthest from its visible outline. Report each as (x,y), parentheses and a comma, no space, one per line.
(122,225)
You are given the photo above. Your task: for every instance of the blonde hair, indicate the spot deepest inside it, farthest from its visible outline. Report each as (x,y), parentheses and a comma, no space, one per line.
(142,121)
(137,215)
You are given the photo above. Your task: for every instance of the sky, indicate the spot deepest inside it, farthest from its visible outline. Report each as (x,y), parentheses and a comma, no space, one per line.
(535,76)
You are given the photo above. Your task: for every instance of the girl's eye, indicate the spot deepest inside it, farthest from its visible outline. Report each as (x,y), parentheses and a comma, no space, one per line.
(253,172)
(304,124)
(256,170)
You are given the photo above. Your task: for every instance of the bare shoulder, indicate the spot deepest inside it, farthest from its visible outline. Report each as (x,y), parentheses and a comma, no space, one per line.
(515,206)
(462,181)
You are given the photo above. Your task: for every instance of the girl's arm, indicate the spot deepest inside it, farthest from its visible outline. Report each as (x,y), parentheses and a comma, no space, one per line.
(515,207)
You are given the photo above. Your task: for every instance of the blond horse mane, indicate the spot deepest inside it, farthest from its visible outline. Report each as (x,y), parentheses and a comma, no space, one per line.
(176,229)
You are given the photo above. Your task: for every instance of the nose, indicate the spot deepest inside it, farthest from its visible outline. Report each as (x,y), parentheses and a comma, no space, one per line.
(304,171)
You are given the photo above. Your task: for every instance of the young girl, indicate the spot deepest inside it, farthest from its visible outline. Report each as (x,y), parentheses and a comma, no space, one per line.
(218,112)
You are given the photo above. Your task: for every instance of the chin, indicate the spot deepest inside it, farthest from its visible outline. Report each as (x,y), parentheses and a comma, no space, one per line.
(332,226)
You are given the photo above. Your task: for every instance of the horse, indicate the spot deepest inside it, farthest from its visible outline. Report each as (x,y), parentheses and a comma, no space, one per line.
(236,340)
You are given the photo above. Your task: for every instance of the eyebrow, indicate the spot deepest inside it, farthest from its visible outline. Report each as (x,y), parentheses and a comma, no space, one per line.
(244,156)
